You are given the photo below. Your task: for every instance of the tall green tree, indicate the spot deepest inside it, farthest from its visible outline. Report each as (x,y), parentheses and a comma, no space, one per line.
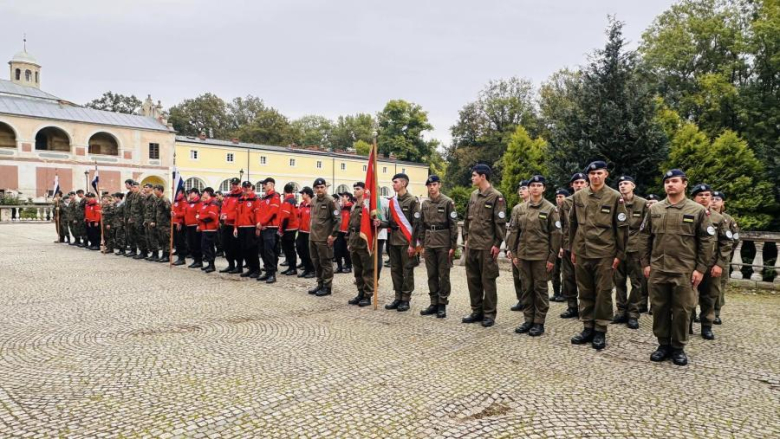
(612,116)
(524,158)
(401,128)
(206,113)
(116,103)
(349,129)
(312,130)
(242,111)
(268,127)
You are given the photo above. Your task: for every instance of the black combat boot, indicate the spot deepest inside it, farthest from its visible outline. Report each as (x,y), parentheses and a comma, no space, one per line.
(365,301)
(717,321)
(525,327)
(472,318)
(355,300)
(618,319)
(403,306)
(517,307)
(679,358)
(537,330)
(394,304)
(632,323)
(441,311)
(599,340)
(583,337)
(661,354)
(265,276)
(488,322)
(228,269)
(325,291)
(180,261)
(237,270)
(140,255)
(432,309)
(196,264)
(270,279)
(570,313)
(315,289)
(211,268)
(706,333)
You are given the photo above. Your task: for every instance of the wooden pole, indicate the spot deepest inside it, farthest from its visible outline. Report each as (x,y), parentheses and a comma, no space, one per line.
(375,189)
(57,216)
(173,189)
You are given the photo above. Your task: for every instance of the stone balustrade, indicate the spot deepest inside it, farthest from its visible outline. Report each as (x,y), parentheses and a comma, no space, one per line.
(26,212)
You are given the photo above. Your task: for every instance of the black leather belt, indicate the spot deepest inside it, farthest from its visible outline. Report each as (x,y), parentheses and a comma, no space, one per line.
(437,227)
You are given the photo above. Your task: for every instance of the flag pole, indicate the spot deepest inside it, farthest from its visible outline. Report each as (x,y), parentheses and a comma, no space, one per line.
(100,201)
(59,205)
(173,189)
(375,189)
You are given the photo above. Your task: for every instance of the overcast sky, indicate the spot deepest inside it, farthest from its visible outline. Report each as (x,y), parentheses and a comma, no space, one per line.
(307,56)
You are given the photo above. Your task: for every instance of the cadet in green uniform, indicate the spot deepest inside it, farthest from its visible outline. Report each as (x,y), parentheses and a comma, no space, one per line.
(150,226)
(560,197)
(129,225)
(630,268)
(577,182)
(362,262)
(78,219)
(719,205)
(538,243)
(118,226)
(404,212)
(134,224)
(65,216)
(484,228)
(137,216)
(109,213)
(162,222)
(709,289)
(598,223)
(61,218)
(71,209)
(676,250)
(511,240)
(643,301)
(437,230)
(325,220)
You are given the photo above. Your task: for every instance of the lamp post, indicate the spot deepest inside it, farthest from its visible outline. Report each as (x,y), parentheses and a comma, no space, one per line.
(86,181)
(241,175)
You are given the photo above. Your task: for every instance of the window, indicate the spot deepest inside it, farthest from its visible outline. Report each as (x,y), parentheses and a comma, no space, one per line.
(194,182)
(343,166)
(319,164)
(229,157)
(154,151)
(384,191)
(18,74)
(36,77)
(28,75)
(365,168)
(292,162)
(193,154)
(224,187)
(262,160)
(384,169)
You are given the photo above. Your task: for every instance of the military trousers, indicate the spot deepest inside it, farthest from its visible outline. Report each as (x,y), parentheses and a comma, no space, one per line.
(247,241)
(629,270)
(437,264)
(302,246)
(402,271)
(673,301)
(594,282)
(130,238)
(724,281)
(556,277)
(363,268)
(152,241)
(481,274)
(64,230)
(164,237)
(322,259)
(518,282)
(568,281)
(536,296)
(108,237)
(119,237)
(139,237)
(709,294)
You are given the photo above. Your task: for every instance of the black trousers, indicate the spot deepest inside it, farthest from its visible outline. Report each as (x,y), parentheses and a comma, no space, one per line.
(180,241)
(302,244)
(230,245)
(288,247)
(340,250)
(93,234)
(380,246)
(193,242)
(270,239)
(207,242)
(247,242)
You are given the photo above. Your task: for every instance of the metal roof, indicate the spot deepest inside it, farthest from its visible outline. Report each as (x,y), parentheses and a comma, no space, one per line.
(19,100)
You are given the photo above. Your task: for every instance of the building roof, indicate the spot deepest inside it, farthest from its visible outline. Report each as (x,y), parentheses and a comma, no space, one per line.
(25,57)
(285,149)
(19,100)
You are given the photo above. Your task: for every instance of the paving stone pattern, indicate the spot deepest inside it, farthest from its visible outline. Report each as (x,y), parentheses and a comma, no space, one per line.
(104,346)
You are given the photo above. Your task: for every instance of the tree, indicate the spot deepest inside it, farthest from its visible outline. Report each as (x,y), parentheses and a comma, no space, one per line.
(612,116)
(312,131)
(242,111)
(269,127)
(116,103)
(401,128)
(349,129)
(362,147)
(460,196)
(524,158)
(206,113)
(729,165)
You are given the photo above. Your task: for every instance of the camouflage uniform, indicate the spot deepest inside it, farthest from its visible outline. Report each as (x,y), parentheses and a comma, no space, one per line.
(163,223)
(109,214)
(150,216)
(118,227)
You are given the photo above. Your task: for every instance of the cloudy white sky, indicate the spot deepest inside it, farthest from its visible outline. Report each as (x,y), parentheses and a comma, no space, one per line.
(307,56)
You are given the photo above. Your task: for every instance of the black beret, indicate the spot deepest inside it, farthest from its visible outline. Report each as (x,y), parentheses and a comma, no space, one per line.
(269,180)
(246,184)
(235,180)
(481,168)
(209,190)
(652,197)
(307,190)
(595,166)
(149,185)
(289,188)
(193,191)
(675,173)
(129,181)
(701,187)
(563,192)
(623,178)
(719,194)
(359,184)
(319,182)
(537,179)
(523,183)
(432,179)
(578,176)
(401,175)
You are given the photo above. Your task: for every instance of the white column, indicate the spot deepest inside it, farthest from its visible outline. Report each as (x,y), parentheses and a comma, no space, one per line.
(758,263)
(736,262)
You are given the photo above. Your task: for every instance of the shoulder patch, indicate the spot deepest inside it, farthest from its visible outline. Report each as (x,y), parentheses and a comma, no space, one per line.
(711,230)
(335,212)
(621,217)
(453,214)
(729,235)
(558,224)
(417,215)
(501,214)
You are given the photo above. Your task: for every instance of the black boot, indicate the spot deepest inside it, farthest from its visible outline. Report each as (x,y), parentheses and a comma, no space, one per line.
(599,340)
(432,309)
(536,330)
(403,306)
(441,311)
(248,273)
(632,323)
(717,321)
(180,261)
(472,318)
(166,257)
(679,358)
(365,301)
(661,354)
(265,276)
(228,269)
(152,256)
(237,270)
(583,337)
(706,333)
(315,289)
(196,264)
(355,300)
(525,327)
(394,304)
(325,291)
(211,268)
(140,255)
(618,319)
(570,313)
(517,307)
(271,279)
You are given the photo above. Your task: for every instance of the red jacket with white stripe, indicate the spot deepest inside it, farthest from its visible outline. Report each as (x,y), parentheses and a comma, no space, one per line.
(92,211)
(304,217)
(247,212)
(288,215)
(229,209)
(191,209)
(179,210)
(208,216)
(269,212)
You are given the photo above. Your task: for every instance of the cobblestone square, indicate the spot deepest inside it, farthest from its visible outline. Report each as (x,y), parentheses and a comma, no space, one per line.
(105,346)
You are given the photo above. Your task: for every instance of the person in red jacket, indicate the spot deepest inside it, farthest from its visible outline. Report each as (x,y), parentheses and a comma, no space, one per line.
(208,226)
(92,215)
(227,215)
(178,210)
(340,247)
(191,223)
(304,227)
(288,227)
(247,230)
(269,223)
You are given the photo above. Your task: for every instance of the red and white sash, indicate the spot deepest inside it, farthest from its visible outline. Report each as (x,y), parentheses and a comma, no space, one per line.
(400,219)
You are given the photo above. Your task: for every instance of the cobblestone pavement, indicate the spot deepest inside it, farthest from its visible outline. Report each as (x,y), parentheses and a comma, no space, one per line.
(103,346)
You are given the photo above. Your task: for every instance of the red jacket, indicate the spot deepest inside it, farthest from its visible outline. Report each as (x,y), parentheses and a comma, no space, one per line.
(345,210)
(247,211)
(229,210)
(288,215)
(179,210)
(92,211)
(191,210)
(304,217)
(269,211)
(208,216)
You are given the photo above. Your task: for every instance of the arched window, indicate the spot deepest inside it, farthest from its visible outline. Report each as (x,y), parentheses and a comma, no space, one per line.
(194,182)
(342,188)
(104,144)
(7,136)
(259,186)
(224,187)
(18,74)
(52,139)
(384,191)
(28,75)
(36,77)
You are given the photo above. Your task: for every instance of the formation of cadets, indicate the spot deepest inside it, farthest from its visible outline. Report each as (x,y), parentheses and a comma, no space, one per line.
(674,252)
